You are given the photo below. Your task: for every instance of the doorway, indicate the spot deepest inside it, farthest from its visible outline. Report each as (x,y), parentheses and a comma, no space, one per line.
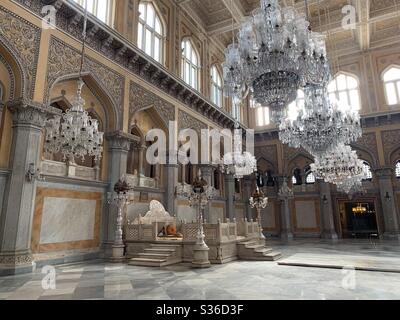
(358,220)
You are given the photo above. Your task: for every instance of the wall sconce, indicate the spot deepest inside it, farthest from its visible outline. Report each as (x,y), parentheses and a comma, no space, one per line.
(325,199)
(33,173)
(388,198)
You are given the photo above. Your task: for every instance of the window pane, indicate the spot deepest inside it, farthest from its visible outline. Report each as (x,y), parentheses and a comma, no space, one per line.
(142,8)
(355,99)
(352,83)
(391,93)
(150,15)
(158,26)
(343,98)
(102,10)
(194,57)
(187,72)
(266,116)
(310,178)
(398,92)
(332,86)
(341,82)
(392,74)
(157,49)
(398,169)
(148,42)
(367,169)
(90,6)
(293,111)
(140,36)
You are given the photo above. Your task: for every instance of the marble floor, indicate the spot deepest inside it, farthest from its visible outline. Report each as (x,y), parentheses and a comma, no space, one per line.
(240,280)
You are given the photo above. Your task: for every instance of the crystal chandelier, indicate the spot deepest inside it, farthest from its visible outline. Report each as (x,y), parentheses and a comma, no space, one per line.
(322,125)
(75,133)
(276,54)
(341,167)
(238,163)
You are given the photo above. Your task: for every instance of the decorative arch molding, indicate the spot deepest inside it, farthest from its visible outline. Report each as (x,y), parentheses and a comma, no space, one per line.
(366,155)
(395,156)
(138,132)
(368,143)
(269,153)
(390,140)
(21,41)
(141,99)
(269,164)
(386,69)
(63,64)
(294,161)
(11,75)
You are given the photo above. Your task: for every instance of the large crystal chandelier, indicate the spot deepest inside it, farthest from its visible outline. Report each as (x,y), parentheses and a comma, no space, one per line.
(238,163)
(275,55)
(322,125)
(75,133)
(341,167)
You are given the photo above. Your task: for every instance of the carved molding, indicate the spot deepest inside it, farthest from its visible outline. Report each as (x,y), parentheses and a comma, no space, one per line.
(29,113)
(64,61)
(15,259)
(368,143)
(186,121)
(390,140)
(121,141)
(268,152)
(23,40)
(141,98)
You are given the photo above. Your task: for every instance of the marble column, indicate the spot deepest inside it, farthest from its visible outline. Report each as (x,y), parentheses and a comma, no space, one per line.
(207,172)
(385,177)
(285,195)
(171,181)
(230,196)
(327,220)
(248,192)
(16,220)
(118,148)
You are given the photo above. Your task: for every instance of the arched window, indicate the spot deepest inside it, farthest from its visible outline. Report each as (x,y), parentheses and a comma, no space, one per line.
(398,169)
(216,87)
(310,178)
(102,9)
(296,106)
(296,179)
(150,32)
(391,79)
(368,171)
(190,64)
(345,89)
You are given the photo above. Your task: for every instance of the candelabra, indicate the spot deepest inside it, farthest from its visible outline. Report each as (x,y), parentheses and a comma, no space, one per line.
(198,195)
(259,201)
(120,199)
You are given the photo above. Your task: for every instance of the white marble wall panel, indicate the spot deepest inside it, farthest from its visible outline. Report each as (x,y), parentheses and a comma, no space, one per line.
(186,213)
(306,214)
(216,213)
(67,220)
(239,213)
(268,216)
(136,209)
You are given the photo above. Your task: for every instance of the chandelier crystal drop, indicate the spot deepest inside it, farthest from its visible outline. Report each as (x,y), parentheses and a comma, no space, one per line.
(341,167)
(322,125)
(275,55)
(75,133)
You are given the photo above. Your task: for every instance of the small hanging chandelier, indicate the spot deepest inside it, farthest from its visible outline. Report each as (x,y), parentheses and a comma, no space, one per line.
(75,133)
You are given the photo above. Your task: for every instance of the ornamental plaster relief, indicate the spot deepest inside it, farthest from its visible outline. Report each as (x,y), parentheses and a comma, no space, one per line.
(22,39)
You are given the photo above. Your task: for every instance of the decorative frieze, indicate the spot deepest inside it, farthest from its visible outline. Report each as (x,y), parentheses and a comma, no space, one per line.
(29,113)
(23,40)
(15,259)
(368,143)
(390,141)
(121,141)
(64,61)
(141,98)
(186,121)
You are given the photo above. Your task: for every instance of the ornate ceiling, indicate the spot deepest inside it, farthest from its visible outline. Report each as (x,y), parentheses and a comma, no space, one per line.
(378,21)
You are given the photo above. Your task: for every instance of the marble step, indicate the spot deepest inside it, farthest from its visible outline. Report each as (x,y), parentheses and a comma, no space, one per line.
(148,262)
(153,255)
(273,256)
(264,250)
(156,245)
(159,250)
(255,246)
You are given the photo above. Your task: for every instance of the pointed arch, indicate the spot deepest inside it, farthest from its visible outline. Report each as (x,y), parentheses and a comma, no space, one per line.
(112,115)
(345,88)
(190,66)
(391,81)
(19,85)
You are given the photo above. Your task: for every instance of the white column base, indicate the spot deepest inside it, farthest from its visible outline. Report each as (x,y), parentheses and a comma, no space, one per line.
(200,257)
(118,253)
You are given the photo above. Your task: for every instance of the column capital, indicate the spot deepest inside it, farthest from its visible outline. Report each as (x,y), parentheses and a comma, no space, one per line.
(26,112)
(385,172)
(122,141)
(206,169)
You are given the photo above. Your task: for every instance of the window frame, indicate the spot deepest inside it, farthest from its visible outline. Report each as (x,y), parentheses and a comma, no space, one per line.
(371,176)
(142,21)
(109,13)
(395,82)
(217,91)
(337,92)
(192,66)
(397,169)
